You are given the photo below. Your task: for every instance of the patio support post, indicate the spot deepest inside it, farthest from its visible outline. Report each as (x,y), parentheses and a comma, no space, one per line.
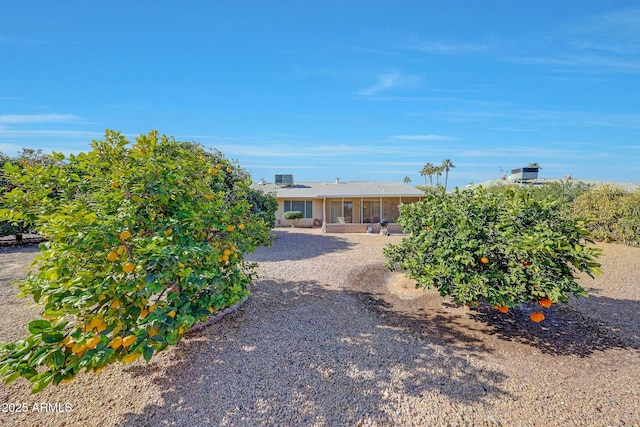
(324,213)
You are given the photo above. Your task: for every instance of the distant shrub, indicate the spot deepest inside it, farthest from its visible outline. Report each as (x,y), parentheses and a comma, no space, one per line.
(293,217)
(610,213)
(26,158)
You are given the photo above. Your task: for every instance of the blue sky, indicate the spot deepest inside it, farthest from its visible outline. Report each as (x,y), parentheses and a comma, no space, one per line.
(362,90)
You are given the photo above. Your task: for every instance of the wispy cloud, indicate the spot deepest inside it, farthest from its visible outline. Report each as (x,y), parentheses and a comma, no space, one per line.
(440,47)
(38,118)
(536,118)
(430,137)
(391,80)
(44,133)
(607,43)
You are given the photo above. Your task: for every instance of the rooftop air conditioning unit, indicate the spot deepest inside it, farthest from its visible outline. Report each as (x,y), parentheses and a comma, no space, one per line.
(284,180)
(524,174)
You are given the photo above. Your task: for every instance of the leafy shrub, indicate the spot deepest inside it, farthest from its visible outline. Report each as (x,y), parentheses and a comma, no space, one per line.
(503,247)
(144,241)
(26,158)
(293,217)
(610,213)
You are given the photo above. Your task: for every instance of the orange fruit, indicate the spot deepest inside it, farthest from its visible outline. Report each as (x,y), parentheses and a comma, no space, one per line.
(130,357)
(152,308)
(78,348)
(546,302)
(536,317)
(125,235)
(241,226)
(229,170)
(116,343)
(115,304)
(144,313)
(526,263)
(128,340)
(92,342)
(172,313)
(181,265)
(115,184)
(501,308)
(230,228)
(112,256)
(95,322)
(128,267)
(168,232)
(484,260)
(121,250)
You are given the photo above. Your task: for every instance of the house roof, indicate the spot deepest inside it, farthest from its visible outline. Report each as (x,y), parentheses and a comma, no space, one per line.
(313,190)
(629,186)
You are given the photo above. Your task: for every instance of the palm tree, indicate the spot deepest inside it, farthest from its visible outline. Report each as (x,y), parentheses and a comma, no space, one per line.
(437,170)
(406,180)
(428,169)
(534,165)
(447,165)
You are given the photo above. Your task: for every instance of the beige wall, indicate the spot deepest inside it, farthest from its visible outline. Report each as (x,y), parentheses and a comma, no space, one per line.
(304,222)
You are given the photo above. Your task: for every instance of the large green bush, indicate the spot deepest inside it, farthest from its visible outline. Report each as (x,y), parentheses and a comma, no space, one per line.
(503,247)
(610,213)
(28,157)
(144,240)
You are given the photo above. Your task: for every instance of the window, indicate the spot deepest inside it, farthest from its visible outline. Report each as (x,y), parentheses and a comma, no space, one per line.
(371,211)
(304,206)
(341,212)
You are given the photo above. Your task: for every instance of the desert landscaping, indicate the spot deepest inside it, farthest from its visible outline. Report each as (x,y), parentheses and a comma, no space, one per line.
(331,337)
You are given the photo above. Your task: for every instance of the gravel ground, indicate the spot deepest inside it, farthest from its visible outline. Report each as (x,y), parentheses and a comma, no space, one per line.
(329,337)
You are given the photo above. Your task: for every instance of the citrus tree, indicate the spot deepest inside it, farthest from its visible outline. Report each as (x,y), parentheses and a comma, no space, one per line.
(503,247)
(26,158)
(143,241)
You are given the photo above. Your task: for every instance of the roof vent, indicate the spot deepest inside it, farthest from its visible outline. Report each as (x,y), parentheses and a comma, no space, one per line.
(262,181)
(284,180)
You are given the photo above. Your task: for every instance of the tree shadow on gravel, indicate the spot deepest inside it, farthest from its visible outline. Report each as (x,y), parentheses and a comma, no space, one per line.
(272,362)
(566,330)
(569,329)
(292,246)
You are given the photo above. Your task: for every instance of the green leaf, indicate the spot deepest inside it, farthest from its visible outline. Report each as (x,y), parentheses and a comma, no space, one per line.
(37,326)
(148,353)
(41,384)
(57,358)
(12,377)
(52,337)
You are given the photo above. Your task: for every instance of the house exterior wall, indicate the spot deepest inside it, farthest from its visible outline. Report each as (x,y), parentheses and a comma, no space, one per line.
(389,210)
(304,222)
